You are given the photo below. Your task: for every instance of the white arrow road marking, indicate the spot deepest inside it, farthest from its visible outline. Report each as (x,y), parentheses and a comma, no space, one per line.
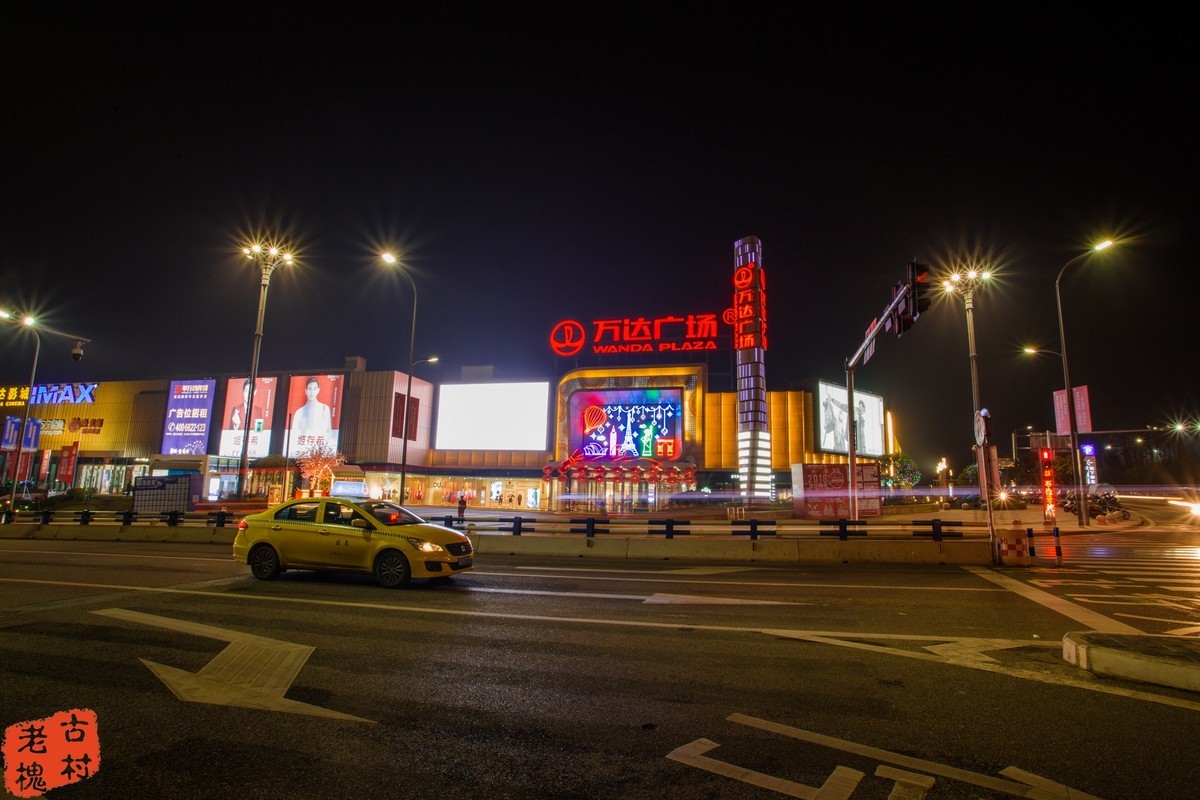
(838,786)
(1030,785)
(252,672)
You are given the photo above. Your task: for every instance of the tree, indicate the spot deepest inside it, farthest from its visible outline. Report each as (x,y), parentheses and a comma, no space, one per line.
(316,462)
(897,470)
(968,476)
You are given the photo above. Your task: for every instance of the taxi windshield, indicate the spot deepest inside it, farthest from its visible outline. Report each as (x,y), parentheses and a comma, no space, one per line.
(391,514)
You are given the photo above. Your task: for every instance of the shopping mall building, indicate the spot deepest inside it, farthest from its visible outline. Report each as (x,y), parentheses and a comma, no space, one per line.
(603,437)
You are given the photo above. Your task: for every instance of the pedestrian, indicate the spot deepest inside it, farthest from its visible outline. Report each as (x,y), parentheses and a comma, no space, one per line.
(462,506)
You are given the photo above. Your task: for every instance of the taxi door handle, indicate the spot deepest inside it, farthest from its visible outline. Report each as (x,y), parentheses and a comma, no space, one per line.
(323,532)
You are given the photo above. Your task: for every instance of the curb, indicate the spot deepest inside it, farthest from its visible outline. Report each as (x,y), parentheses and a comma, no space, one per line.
(1163,660)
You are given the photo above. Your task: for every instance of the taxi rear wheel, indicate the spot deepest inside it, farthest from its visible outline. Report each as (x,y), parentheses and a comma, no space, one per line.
(264,562)
(391,569)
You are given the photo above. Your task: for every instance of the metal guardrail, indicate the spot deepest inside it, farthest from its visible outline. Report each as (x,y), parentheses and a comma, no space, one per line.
(192,519)
(590,527)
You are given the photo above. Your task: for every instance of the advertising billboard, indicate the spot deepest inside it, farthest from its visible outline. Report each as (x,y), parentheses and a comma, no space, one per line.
(189,415)
(237,421)
(314,413)
(831,422)
(493,416)
(822,491)
(620,424)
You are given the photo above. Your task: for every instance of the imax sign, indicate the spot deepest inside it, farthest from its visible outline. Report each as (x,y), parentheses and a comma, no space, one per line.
(54,393)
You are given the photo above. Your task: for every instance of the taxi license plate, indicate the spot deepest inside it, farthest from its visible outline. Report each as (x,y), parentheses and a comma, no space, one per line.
(465,561)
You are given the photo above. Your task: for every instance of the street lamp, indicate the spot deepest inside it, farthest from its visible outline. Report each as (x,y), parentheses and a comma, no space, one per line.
(30,324)
(1081,508)
(268,259)
(412,340)
(965,282)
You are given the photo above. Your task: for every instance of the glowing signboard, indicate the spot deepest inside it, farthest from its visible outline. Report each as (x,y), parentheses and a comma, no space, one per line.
(637,335)
(749,313)
(189,415)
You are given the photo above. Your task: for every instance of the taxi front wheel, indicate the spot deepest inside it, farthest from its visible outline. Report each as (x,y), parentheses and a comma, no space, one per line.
(391,569)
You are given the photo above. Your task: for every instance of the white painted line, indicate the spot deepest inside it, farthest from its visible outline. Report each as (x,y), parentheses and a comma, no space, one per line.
(688,599)
(838,786)
(931,767)
(1085,616)
(654,598)
(907,778)
(677,571)
(773,584)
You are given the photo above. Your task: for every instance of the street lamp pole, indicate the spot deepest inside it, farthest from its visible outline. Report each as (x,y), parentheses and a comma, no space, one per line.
(12,498)
(1081,507)
(412,341)
(30,324)
(970,279)
(268,259)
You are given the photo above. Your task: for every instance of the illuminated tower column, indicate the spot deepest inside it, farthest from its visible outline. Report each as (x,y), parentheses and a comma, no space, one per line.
(749,321)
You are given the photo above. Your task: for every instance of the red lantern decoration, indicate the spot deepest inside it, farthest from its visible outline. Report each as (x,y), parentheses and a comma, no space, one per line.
(546,471)
(636,474)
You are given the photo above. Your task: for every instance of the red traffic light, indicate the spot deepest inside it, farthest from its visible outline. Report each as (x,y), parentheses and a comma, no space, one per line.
(1047,456)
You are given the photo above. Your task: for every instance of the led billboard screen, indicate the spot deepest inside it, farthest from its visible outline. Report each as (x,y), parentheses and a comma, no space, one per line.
(314,413)
(189,416)
(623,424)
(493,416)
(831,423)
(237,421)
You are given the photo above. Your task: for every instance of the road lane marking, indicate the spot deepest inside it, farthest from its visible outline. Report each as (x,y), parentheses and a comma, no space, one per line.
(771,584)
(837,638)
(252,672)
(1085,616)
(838,786)
(1037,787)
(654,598)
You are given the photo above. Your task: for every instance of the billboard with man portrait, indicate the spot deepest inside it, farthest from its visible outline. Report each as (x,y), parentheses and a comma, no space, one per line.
(314,413)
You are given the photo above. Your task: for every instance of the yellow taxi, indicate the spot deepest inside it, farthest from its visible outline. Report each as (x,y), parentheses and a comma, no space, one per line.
(350,535)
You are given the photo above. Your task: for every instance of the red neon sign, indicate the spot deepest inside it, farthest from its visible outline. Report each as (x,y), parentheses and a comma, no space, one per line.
(749,313)
(637,335)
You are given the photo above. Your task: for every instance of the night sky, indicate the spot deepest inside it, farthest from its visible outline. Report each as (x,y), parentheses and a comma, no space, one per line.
(543,169)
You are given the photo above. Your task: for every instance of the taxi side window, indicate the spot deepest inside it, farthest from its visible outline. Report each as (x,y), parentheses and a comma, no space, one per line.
(300,512)
(338,514)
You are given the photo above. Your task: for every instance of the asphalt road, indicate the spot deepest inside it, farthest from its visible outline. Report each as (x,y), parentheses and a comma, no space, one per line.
(551,678)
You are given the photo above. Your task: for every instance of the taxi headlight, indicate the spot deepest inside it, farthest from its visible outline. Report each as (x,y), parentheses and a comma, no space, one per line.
(424,546)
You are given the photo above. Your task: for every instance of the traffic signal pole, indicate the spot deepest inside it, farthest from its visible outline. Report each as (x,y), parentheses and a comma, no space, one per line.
(891,319)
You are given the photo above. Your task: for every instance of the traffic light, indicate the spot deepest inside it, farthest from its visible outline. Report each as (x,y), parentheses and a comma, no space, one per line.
(918,288)
(916,299)
(1047,458)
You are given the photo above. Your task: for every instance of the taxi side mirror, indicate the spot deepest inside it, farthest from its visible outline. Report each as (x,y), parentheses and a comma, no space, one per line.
(359,522)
